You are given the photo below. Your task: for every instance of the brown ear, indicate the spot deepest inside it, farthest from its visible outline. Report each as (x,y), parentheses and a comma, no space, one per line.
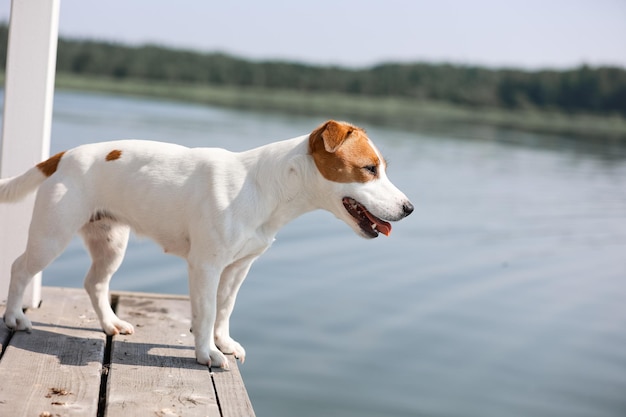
(333,134)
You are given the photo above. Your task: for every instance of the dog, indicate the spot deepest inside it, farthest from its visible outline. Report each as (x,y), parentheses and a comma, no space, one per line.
(218,210)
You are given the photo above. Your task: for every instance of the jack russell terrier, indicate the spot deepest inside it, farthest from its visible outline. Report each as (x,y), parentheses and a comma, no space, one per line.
(217,209)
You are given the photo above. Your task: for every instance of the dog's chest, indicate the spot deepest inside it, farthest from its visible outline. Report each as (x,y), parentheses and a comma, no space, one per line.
(178,245)
(254,246)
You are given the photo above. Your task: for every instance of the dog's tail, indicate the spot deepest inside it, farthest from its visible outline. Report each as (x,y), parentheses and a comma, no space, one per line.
(17,188)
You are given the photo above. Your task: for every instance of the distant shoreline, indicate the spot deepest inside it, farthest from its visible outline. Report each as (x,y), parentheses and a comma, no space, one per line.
(389,111)
(378,110)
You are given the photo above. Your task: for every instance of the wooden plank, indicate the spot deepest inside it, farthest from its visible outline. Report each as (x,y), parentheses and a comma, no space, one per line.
(231,392)
(29,87)
(55,369)
(154,371)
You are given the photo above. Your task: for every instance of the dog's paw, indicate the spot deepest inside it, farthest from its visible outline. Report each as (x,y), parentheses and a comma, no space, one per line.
(214,358)
(17,320)
(116,326)
(230,346)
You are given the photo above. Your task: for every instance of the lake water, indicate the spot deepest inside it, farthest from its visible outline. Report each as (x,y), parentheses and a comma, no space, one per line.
(504,294)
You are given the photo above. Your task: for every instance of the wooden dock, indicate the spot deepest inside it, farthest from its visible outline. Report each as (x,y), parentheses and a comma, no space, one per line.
(68,367)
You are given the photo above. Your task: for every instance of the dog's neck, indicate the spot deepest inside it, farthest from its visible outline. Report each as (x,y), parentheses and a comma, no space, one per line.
(289,177)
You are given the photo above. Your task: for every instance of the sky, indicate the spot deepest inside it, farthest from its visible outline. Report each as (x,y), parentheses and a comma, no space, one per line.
(530,34)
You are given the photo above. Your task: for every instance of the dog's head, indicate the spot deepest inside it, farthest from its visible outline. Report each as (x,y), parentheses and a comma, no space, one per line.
(354,173)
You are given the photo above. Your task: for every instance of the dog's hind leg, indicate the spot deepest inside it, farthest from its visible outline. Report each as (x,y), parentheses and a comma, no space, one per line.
(21,276)
(56,217)
(106,241)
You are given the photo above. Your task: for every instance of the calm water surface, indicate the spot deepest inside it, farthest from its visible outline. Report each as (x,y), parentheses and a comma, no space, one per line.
(504,294)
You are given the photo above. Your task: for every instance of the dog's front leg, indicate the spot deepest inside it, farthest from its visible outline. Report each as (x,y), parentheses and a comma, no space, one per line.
(203,283)
(230,282)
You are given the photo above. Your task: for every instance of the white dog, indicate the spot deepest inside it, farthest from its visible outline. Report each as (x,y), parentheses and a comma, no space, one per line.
(217,209)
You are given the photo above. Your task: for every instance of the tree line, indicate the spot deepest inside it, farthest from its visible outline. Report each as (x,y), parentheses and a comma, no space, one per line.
(582,89)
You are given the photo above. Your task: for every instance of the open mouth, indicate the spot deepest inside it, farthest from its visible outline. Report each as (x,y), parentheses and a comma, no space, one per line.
(369,224)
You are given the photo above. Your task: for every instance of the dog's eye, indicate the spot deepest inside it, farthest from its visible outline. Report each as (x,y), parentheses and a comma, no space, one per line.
(372,169)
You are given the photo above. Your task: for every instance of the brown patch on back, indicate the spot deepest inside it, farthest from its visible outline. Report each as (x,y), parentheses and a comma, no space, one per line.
(50,165)
(341,151)
(113,155)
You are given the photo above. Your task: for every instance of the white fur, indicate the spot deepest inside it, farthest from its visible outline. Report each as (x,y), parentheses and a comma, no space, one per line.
(217,209)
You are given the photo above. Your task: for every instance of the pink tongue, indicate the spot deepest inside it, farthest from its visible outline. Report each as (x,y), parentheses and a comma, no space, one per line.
(382,226)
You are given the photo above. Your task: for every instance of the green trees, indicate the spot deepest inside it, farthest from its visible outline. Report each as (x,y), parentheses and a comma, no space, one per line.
(583,89)
(597,90)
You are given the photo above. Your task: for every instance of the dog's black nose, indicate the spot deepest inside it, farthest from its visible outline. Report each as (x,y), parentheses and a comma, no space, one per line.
(407,208)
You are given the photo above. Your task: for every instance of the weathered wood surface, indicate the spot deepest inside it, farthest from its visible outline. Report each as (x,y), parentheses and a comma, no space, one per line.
(154,370)
(56,368)
(234,399)
(65,365)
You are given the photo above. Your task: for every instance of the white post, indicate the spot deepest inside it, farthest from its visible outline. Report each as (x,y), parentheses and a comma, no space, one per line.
(29,88)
